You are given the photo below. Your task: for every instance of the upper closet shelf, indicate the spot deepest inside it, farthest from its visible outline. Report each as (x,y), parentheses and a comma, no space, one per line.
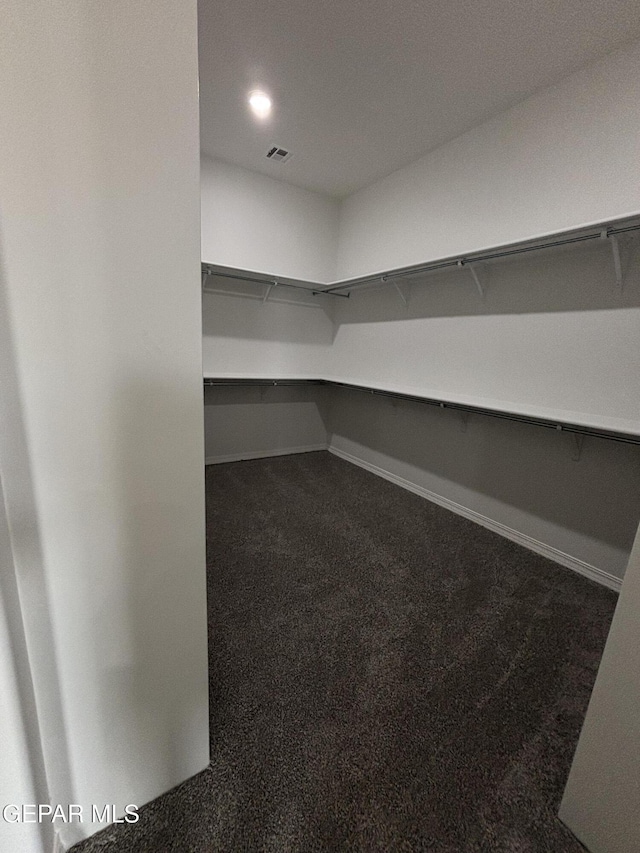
(608,232)
(268,282)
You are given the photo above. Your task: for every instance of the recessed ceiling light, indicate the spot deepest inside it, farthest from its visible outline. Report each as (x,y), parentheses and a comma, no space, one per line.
(260,104)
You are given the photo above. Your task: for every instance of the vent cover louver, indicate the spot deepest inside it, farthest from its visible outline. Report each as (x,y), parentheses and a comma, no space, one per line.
(277,154)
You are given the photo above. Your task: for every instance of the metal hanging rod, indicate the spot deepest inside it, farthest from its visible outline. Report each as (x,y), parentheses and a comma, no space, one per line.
(269,282)
(559,425)
(602,232)
(224,382)
(489,255)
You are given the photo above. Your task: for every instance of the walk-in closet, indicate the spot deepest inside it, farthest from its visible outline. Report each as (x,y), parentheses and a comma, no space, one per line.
(320,426)
(423,469)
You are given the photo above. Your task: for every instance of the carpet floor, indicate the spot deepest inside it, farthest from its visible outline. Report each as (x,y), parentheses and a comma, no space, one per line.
(385,676)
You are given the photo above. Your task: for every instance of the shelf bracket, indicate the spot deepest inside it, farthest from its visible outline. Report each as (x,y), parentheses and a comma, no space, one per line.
(615,251)
(472,270)
(401,294)
(578,441)
(268,292)
(385,278)
(464,420)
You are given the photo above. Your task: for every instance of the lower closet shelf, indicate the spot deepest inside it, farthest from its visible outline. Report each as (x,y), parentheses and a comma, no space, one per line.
(549,423)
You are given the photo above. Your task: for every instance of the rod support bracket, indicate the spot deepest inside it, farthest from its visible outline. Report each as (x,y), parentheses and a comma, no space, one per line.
(578,442)
(474,274)
(615,251)
(401,294)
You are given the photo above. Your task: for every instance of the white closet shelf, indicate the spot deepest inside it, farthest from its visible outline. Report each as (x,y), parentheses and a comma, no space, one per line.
(607,231)
(562,423)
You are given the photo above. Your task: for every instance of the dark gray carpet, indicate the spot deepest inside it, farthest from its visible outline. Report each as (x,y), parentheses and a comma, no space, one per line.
(385,676)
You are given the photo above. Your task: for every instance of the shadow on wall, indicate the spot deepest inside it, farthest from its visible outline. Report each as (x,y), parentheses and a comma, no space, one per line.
(569,278)
(244,422)
(248,318)
(520,475)
(23,590)
(267,394)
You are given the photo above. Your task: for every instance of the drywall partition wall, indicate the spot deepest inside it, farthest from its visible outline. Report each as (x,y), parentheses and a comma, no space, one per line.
(253,222)
(566,157)
(601,802)
(101,453)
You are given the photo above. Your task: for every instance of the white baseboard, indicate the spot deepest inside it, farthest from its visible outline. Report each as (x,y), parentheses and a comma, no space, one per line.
(589,571)
(262,454)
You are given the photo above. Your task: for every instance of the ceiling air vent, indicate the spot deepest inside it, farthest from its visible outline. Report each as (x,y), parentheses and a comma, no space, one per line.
(277,154)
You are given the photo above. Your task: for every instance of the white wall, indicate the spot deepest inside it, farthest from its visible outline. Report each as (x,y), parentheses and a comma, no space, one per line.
(565,157)
(601,802)
(256,223)
(244,337)
(553,336)
(249,423)
(101,442)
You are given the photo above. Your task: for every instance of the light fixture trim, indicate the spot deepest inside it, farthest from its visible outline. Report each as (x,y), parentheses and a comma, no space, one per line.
(260,103)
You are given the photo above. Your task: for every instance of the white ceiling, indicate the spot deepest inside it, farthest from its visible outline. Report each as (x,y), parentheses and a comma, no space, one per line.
(363,87)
